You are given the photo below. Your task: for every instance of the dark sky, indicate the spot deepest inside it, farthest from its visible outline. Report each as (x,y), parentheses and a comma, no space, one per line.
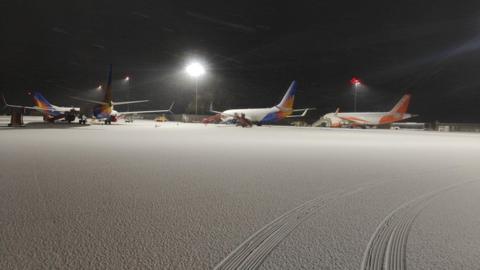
(253,49)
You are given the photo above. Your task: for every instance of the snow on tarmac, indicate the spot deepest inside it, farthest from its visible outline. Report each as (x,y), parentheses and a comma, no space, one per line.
(189,196)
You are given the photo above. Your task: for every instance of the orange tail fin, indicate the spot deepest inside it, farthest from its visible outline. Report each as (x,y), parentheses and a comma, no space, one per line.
(402,105)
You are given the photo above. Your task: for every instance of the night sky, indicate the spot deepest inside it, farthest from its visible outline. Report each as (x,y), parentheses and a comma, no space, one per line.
(252,49)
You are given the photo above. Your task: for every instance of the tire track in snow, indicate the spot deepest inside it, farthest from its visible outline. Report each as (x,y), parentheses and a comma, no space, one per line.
(253,251)
(387,247)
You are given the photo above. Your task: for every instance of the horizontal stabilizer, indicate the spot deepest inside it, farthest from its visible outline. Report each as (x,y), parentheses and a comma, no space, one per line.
(90,100)
(299,110)
(150,111)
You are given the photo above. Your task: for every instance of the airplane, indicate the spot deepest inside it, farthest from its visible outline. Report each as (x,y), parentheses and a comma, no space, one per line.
(50,112)
(365,119)
(104,110)
(259,116)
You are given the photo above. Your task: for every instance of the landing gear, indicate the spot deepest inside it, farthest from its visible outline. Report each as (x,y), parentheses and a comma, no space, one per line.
(108,122)
(242,121)
(70,116)
(82,119)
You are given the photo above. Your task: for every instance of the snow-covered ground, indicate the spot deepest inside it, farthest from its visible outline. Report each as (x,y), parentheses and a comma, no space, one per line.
(189,196)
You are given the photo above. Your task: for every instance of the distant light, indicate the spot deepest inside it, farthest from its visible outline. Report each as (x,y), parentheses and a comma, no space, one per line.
(100,87)
(127,78)
(355,81)
(195,70)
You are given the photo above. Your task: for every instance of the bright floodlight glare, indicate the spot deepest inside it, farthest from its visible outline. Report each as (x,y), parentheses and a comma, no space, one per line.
(127,78)
(99,87)
(195,70)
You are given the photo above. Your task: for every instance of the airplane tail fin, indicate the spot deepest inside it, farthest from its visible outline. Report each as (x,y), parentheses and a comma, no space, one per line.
(287,100)
(108,89)
(40,101)
(402,105)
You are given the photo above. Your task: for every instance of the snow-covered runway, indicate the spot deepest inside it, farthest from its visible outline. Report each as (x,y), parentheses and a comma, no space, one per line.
(189,196)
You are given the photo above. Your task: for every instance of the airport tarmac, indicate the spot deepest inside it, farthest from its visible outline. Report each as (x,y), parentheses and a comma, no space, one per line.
(188,196)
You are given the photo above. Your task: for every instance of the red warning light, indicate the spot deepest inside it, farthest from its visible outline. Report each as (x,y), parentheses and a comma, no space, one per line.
(355,81)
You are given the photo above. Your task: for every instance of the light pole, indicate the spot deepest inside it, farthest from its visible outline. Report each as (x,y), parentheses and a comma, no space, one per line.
(195,70)
(355,83)
(196,95)
(126,80)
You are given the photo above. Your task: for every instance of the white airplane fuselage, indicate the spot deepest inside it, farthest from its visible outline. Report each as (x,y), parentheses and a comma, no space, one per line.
(257,115)
(261,116)
(63,109)
(352,119)
(363,118)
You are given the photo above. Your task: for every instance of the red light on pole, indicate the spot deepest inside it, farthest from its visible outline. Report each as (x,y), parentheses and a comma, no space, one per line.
(355,81)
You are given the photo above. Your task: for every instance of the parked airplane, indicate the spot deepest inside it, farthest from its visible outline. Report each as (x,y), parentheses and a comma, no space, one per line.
(260,116)
(104,109)
(50,112)
(363,119)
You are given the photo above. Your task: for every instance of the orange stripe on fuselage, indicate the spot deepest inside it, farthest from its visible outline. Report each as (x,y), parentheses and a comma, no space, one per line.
(390,118)
(353,119)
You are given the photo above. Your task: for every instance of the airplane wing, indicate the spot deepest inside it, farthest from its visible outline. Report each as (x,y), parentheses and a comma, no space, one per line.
(128,102)
(25,107)
(140,112)
(300,110)
(113,102)
(28,107)
(169,110)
